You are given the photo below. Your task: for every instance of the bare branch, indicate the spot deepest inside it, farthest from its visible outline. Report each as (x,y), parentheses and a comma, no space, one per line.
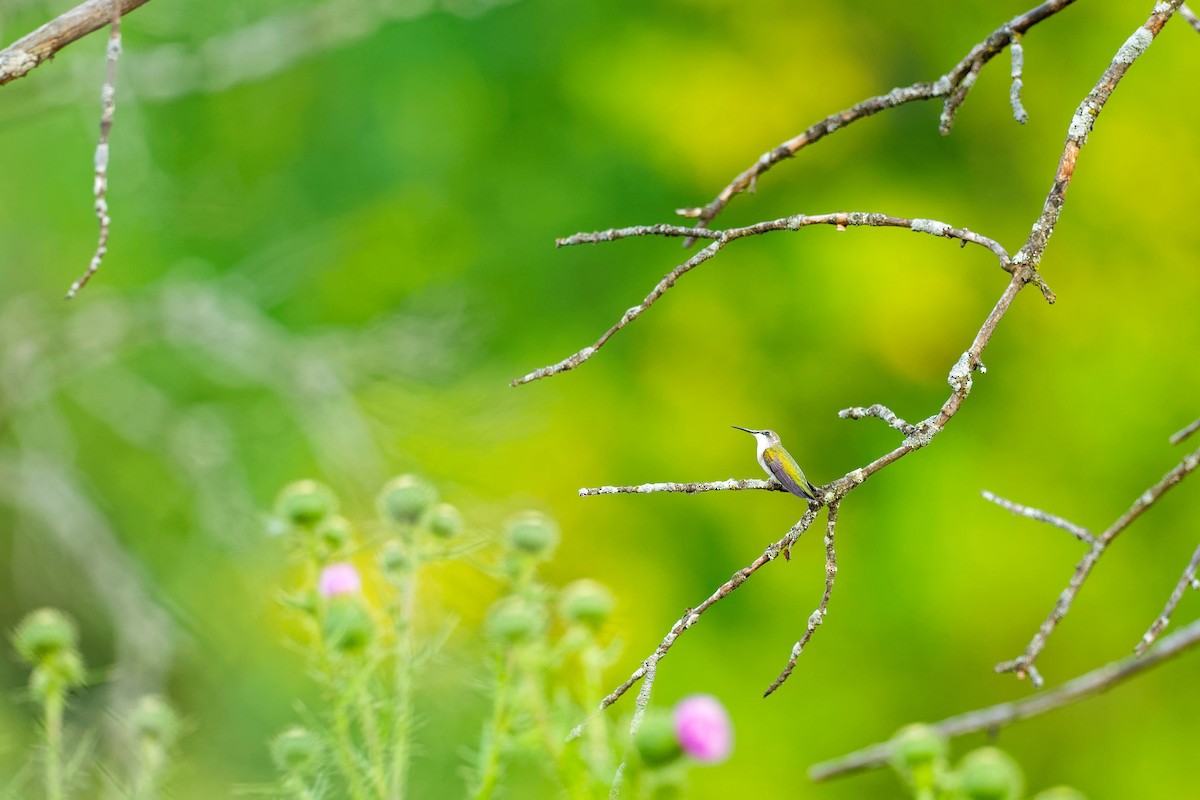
(993,717)
(881,411)
(1081,125)
(1079,532)
(1186,12)
(732,484)
(1018,65)
(28,52)
(1188,579)
(841,220)
(818,616)
(954,84)
(1023,664)
(108,105)
(1179,436)
(692,615)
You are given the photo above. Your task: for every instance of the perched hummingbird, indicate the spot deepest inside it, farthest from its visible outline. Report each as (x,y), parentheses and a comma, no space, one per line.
(780,465)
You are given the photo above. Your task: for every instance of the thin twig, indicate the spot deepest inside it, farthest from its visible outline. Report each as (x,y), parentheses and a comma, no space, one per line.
(1081,125)
(1023,665)
(1018,65)
(993,717)
(818,616)
(732,484)
(1186,12)
(692,615)
(1179,436)
(28,52)
(881,411)
(1157,627)
(108,105)
(952,82)
(1078,531)
(841,220)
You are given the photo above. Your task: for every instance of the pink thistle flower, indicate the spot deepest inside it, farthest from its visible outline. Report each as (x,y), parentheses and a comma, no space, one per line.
(339,579)
(703,728)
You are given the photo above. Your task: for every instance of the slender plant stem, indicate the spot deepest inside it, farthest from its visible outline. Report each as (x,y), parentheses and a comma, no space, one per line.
(403,678)
(345,748)
(370,725)
(55,702)
(489,758)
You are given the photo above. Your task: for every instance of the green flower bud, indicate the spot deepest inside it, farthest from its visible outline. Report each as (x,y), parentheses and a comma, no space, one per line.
(305,503)
(1060,793)
(918,755)
(394,562)
(533,534)
(334,532)
(155,721)
(348,626)
(587,602)
(990,774)
(444,521)
(914,745)
(405,499)
(57,674)
(514,619)
(296,751)
(43,634)
(656,741)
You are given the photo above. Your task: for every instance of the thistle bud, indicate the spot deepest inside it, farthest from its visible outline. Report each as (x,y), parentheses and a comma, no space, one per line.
(533,534)
(305,503)
(990,774)
(44,634)
(444,521)
(655,740)
(405,499)
(587,602)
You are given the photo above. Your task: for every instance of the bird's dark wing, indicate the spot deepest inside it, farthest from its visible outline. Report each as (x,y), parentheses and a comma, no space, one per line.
(784,468)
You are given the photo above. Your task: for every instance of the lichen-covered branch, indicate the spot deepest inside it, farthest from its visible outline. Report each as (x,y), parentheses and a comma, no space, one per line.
(1156,628)
(1078,531)
(108,106)
(28,52)
(993,717)
(1186,12)
(881,411)
(1023,665)
(732,484)
(841,220)
(692,615)
(1181,435)
(953,87)
(818,616)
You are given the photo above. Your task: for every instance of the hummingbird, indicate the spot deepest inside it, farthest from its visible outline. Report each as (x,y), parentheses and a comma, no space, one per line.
(780,465)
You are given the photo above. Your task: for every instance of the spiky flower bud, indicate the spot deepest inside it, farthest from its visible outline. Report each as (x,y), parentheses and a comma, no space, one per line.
(533,534)
(655,740)
(305,503)
(444,521)
(586,601)
(989,773)
(44,634)
(406,498)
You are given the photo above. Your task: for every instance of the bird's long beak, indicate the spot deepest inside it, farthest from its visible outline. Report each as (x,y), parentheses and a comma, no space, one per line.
(740,428)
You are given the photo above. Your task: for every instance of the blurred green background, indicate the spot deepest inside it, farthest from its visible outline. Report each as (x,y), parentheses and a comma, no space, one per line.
(332,248)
